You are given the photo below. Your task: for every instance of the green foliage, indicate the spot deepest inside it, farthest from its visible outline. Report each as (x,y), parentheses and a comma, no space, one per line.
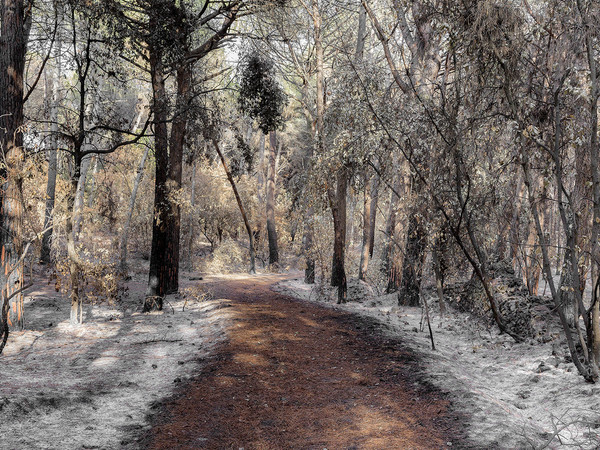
(260,96)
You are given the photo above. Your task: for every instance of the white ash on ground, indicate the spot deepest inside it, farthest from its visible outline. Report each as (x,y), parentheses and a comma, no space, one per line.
(93,385)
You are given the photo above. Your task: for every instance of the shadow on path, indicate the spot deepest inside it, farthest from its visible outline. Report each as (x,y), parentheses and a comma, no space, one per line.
(297,375)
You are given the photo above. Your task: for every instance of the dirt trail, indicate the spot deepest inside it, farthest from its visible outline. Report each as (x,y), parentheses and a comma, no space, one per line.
(296,375)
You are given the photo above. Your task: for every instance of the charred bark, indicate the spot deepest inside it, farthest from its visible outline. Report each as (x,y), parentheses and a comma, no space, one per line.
(157,276)
(337,203)
(13,41)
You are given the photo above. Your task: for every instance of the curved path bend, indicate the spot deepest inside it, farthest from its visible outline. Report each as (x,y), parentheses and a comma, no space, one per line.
(294,375)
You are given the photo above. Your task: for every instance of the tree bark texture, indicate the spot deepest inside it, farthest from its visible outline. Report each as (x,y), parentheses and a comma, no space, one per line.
(13,41)
(176,144)
(271,176)
(157,276)
(337,203)
(364,253)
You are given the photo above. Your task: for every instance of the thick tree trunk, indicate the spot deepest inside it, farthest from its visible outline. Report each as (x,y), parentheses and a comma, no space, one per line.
(178,130)
(157,277)
(271,174)
(13,41)
(337,203)
(127,226)
(240,206)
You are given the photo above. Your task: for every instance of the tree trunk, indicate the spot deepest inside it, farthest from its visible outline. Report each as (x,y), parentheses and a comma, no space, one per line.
(271,174)
(369,222)
(74,259)
(261,191)
(514,229)
(373,212)
(178,129)
(413,262)
(157,276)
(395,232)
(595,191)
(45,255)
(79,195)
(364,253)
(192,219)
(337,203)
(240,206)
(439,269)
(532,254)
(13,41)
(93,180)
(125,234)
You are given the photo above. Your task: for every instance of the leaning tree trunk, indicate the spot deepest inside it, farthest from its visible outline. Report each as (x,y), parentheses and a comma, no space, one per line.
(240,206)
(271,174)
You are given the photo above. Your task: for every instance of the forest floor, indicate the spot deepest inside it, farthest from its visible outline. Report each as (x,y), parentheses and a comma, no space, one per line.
(517,395)
(296,375)
(230,363)
(242,367)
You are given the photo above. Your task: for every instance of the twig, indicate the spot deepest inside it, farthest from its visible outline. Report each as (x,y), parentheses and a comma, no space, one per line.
(152,341)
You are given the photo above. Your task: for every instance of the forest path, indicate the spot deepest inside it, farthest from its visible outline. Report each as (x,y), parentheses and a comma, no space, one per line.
(297,375)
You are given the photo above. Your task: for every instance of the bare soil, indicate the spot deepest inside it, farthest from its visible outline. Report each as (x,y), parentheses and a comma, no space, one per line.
(292,374)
